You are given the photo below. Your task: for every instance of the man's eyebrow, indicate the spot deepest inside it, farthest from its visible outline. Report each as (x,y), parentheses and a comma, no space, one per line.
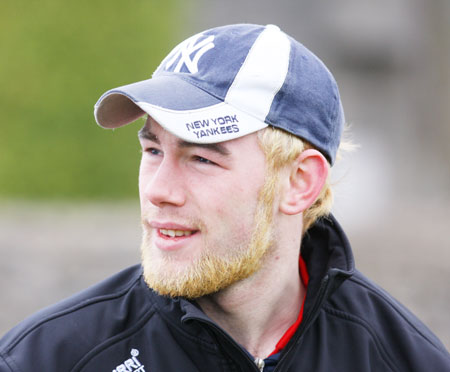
(216,147)
(146,134)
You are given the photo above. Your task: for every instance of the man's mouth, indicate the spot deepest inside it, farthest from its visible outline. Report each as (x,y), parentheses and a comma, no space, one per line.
(168,233)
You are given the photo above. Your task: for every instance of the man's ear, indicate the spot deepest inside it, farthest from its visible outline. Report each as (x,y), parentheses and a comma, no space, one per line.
(307,175)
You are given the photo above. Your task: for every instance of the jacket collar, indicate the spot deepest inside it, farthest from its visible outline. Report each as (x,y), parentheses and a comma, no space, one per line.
(329,260)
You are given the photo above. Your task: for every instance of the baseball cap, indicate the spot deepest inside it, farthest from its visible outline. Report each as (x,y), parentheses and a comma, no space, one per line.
(230,81)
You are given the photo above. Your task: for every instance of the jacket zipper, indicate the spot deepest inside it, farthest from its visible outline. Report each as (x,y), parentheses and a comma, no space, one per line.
(253,363)
(260,364)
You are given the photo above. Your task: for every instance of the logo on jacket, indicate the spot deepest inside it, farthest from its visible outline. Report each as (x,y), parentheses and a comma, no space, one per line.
(132,364)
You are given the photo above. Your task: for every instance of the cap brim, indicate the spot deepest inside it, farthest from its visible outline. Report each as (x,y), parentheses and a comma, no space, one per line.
(178,106)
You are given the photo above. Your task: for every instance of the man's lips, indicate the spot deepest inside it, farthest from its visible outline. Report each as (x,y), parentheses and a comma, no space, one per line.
(171,230)
(175,234)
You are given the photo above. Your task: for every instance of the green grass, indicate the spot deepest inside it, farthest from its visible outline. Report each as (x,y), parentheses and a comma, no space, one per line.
(57,58)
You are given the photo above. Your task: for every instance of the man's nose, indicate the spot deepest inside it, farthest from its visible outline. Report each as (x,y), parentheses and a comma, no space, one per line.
(166,186)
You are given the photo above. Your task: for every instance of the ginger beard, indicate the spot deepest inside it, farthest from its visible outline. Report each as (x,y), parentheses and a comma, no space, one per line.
(211,272)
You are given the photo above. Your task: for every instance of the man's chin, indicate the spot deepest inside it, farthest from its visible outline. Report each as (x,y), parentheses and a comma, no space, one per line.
(204,276)
(184,281)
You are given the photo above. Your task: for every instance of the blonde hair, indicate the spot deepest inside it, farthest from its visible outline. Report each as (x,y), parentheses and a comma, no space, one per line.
(280,149)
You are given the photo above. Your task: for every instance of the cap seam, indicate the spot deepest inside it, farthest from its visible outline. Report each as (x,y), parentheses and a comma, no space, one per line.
(237,75)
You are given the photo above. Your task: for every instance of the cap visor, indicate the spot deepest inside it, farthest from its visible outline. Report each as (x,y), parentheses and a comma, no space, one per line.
(186,111)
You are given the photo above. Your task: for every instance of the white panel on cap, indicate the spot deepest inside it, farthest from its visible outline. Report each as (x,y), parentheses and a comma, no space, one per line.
(212,124)
(262,74)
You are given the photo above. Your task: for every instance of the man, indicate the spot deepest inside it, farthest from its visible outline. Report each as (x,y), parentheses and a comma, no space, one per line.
(243,267)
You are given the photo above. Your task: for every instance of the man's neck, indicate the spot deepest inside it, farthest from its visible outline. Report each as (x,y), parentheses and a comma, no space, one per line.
(257,311)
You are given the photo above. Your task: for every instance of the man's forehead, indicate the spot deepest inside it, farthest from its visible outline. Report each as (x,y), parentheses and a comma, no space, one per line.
(152,130)
(147,133)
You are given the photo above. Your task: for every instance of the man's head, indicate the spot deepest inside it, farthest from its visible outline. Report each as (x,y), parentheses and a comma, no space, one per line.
(236,116)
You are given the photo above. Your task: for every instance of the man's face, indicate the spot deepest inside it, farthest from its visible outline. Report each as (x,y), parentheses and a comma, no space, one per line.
(206,216)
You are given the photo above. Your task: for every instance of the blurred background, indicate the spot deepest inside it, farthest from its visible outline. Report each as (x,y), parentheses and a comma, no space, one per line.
(69,213)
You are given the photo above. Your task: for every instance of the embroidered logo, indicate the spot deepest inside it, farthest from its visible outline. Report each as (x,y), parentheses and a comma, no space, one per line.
(132,364)
(189,52)
(208,127)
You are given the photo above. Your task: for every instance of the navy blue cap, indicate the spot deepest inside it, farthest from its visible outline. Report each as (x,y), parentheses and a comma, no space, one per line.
(230,81)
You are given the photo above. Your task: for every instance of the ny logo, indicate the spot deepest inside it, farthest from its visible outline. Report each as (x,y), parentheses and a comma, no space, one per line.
(186,49)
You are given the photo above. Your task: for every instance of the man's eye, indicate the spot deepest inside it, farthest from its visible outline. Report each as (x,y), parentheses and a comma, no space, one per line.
(152,151)
(203,160)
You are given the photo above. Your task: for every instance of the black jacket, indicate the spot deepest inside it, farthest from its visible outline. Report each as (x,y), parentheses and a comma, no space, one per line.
(120,325)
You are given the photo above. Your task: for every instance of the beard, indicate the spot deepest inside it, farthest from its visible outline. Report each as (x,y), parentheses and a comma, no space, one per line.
(211,271)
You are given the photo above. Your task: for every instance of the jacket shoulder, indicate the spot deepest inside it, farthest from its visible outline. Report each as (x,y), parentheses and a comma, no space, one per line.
(404,341)
(79,323)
